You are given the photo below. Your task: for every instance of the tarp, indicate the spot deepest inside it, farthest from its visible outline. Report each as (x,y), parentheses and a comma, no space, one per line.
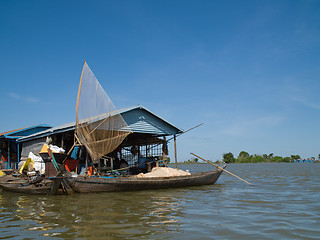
(35,162)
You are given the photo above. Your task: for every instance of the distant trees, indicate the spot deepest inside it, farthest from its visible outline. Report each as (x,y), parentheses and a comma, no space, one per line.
(295,157)
(228,157)
(245,157)
(286,159)
(267,157)
(192,160)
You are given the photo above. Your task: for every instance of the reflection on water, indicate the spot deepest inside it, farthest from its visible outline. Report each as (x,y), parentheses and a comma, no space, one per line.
(283,204)
(120,215)
(90,216)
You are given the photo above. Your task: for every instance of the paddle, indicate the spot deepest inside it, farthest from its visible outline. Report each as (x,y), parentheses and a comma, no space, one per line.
(221,168)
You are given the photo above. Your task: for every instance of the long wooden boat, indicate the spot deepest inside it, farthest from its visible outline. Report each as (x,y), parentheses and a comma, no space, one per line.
(16,184)
(84,184)
(130,183)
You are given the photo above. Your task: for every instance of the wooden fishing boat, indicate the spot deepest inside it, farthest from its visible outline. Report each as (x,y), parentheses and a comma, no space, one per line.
(132,183)
(20,185)
(85,184)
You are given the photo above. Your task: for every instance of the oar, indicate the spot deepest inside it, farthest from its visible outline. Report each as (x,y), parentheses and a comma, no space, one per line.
(221,168)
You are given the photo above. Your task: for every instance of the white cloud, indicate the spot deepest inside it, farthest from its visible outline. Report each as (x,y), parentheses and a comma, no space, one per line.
(14,95)
(23,98)
(306,102)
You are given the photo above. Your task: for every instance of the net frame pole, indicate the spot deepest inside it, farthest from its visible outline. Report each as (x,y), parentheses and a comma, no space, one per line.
(92,102)
(79,92)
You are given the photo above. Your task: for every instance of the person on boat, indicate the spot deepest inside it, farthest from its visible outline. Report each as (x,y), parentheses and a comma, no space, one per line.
(123,164)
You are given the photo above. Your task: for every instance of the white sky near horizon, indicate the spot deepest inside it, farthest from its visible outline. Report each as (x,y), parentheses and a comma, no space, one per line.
(249,70)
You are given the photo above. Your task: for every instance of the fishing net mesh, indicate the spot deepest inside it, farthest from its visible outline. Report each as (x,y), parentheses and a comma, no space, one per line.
(99,127)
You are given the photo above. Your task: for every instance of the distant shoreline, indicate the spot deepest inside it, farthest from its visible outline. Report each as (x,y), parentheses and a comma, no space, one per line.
(239,162)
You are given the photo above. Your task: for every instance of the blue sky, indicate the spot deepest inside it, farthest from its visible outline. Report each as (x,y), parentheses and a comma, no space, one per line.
(249,70)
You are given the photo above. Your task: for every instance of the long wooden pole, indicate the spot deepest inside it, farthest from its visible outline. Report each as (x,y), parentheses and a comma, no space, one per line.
(177,135)
(190,129)
(185,132)
(221,168)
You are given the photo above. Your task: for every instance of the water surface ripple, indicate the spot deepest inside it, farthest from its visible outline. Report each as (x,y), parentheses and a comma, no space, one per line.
(283,204)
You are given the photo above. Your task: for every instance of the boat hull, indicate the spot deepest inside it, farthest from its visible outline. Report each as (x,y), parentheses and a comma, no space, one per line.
(22,186)
(113,184)
(97,184)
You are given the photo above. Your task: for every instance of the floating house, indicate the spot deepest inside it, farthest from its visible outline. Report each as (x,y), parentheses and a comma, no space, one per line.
(147,141)
(10,149)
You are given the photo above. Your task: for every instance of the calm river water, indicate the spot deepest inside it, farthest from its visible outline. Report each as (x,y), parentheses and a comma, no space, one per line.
(283,204)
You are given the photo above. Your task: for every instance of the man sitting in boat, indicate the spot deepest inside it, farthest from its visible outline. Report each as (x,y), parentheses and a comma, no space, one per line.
(123,164)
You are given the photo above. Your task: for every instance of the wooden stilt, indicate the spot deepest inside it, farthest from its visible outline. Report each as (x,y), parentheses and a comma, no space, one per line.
(175,151)
(9,155)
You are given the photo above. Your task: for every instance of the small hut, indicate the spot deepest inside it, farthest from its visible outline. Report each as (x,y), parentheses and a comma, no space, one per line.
(10,149)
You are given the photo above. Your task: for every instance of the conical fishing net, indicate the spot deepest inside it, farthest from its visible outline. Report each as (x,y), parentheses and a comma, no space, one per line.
(99,127)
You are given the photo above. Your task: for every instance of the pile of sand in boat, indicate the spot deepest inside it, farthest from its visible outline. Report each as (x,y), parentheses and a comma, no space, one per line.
(163,172)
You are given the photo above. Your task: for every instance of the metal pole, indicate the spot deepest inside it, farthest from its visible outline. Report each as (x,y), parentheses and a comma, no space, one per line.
(175,151)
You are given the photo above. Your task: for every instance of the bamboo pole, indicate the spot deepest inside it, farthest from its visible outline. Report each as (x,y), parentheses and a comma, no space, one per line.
(185,132)
(190,129)
(177,135)
(221,168)
(79,91)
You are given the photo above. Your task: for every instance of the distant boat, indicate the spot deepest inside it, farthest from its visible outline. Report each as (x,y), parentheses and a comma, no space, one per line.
(304,160)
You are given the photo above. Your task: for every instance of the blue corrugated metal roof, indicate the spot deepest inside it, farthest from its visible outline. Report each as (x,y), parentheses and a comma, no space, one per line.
(22,132)
(138,118)
(142,120)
